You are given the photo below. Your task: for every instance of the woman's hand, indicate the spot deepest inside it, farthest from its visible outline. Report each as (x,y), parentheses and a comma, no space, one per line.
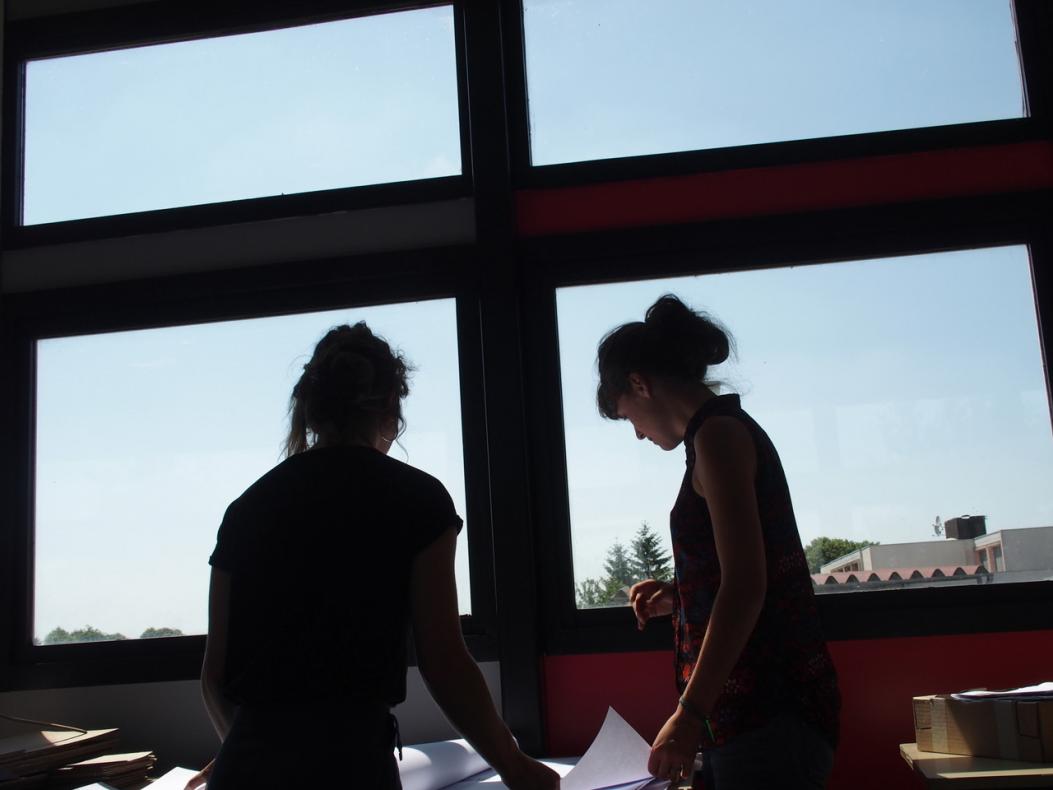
(198,779)
(650,598)
(673,753)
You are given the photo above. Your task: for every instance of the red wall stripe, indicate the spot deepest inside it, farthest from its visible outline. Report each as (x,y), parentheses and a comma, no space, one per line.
(787,189)
(878,679)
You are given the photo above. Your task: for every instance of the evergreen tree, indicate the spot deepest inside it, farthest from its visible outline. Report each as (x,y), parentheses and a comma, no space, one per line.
(619,568)
(649,561)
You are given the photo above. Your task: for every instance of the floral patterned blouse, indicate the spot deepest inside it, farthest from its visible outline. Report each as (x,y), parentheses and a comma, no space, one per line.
(785,665)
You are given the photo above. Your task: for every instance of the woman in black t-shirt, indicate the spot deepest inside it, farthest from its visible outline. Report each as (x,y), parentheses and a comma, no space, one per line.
(319,567)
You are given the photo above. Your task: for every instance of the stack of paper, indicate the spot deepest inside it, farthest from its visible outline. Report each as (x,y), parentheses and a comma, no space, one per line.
(26,751)
(116,770)
(1041,691)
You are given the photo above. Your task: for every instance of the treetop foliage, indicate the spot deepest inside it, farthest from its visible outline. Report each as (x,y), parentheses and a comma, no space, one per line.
(645,559)
(89,633)
(821,550)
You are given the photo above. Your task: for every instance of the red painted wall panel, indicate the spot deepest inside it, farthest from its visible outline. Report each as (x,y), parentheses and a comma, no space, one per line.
(878,679)
(787,189)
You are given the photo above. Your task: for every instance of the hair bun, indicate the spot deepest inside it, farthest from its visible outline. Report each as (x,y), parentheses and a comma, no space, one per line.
(350,371)
(692,335)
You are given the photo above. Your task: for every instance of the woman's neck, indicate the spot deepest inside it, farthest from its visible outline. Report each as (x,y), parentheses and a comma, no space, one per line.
(327,440)
(684,401)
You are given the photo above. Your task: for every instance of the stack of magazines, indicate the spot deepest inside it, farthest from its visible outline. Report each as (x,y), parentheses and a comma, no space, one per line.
(58,757)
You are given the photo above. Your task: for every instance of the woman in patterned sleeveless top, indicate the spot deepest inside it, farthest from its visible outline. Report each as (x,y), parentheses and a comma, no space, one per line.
(758,690)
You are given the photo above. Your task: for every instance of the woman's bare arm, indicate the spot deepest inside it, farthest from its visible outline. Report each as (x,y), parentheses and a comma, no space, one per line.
(725,468)
(452,675)
(220,709)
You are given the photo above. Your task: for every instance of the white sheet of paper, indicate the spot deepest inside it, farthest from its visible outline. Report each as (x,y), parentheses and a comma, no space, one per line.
(617,757)
(175,779)
(431,766)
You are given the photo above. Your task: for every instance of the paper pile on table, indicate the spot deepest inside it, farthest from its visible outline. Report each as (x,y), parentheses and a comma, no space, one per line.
(616,760)
(34,755)
(1038,692)
(116,770)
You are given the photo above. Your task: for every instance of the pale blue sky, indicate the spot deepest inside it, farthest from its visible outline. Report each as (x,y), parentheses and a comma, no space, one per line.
(895,390)
(623,77)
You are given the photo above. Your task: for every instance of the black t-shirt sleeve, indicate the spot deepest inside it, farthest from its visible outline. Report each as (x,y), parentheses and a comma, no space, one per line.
(429,512)
(224,556)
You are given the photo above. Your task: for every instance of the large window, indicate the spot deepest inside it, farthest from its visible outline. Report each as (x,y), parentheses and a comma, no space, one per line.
(362,101)
(902,394)
(144,437)
(615,78)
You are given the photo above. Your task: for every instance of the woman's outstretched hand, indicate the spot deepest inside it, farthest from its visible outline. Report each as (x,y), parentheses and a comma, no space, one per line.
(198,779)
(526,773)
(650,598)
(673,753)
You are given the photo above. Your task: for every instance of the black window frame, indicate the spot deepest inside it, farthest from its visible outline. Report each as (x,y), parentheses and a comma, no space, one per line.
(170,21)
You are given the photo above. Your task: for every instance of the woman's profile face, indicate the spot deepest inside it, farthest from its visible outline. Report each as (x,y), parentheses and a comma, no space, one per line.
(645,413)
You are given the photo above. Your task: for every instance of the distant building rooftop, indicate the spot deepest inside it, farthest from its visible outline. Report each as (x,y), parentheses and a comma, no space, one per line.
(932,573)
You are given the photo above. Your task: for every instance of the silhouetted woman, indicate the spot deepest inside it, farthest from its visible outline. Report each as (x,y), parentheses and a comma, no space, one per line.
(758,689)
(318,569)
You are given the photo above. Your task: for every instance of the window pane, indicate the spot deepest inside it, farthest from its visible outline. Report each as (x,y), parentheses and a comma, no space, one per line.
(362,101)
(896,391)
(145,437)
(610,78)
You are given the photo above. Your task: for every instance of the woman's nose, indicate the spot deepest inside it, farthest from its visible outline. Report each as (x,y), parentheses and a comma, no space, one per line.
(640,436)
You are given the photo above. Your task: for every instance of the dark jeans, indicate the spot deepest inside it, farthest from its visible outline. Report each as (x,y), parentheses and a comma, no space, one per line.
(308,746)
(784,754)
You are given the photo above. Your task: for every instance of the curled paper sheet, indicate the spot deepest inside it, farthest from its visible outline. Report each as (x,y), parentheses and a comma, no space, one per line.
(489,780)
(617,758)
(432,766)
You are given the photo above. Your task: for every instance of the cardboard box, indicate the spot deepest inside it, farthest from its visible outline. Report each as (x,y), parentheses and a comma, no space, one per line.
(1009,729)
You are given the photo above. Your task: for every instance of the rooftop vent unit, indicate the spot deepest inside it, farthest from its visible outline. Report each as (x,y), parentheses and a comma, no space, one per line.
(965,527)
